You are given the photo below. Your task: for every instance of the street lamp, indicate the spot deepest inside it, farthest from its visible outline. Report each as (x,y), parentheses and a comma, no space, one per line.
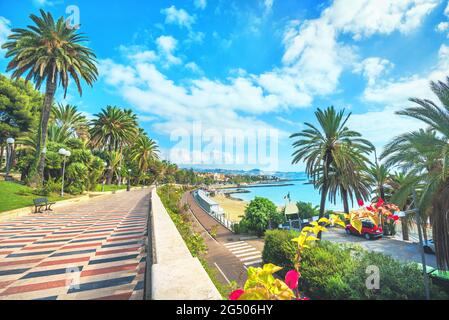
(421,244)
(64,153)
(10,142)
(128,187)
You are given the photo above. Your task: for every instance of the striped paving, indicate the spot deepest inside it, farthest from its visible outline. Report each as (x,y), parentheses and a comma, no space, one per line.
(94,250)
(246,253)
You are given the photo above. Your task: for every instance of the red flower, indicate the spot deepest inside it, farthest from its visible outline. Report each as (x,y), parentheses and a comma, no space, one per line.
(395,218)
(235,295)
(380,202)
(291,279)
(360,202)
(370,208)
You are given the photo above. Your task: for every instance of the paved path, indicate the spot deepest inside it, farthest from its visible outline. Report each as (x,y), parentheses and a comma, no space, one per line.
(92,250)
(400,250)
(223,251)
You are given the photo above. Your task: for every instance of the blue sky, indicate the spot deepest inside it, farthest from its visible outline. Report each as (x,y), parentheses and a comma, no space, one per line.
(254,66)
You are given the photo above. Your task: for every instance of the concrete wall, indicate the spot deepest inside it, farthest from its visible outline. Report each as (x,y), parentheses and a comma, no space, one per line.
(175,274)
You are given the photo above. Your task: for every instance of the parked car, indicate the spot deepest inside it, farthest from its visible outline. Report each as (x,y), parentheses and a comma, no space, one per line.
(369,230)
(429,246)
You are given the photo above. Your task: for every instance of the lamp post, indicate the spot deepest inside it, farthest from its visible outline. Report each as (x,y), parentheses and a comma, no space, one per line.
(9,143)
(128,187)
(421,244)
(64,153)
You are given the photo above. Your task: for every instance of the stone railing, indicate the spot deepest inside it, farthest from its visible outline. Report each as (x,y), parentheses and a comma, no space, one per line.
(175,274)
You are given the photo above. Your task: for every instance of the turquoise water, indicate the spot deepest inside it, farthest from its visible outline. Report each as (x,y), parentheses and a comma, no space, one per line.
(298,192)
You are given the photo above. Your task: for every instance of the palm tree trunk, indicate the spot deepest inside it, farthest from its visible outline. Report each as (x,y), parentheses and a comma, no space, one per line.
(43,129)
(345,200)
(404,226)
(323,203)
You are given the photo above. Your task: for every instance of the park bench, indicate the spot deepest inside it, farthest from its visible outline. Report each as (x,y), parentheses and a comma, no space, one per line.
(40,203)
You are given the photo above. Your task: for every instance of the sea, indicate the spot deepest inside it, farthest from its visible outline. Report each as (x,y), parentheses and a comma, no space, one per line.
(299,190)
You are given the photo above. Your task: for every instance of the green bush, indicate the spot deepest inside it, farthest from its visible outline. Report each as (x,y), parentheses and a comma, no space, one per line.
(258,215)
(279,249)
(338,272)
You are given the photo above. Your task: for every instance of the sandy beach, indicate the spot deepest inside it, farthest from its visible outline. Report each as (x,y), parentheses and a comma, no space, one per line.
(234,208)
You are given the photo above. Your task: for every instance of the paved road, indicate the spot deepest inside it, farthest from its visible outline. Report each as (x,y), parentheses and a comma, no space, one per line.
(93,250)
(228,252)
(399,250)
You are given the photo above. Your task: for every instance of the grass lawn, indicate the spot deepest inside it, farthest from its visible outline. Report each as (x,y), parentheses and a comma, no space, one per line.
(234,208)
(14,196)
(110,187)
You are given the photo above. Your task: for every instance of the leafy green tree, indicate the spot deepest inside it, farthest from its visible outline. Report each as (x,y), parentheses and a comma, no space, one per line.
(258,215)
(329,147)
(19,108)
(425,153)
(306,210)
(112,129)
(68,117)
(143,152)
(49,53)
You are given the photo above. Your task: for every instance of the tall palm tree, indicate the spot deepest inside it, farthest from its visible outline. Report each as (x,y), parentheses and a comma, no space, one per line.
(69,117)
(328,148)
(112,129)
(143,152)
(49,52)
(434,150)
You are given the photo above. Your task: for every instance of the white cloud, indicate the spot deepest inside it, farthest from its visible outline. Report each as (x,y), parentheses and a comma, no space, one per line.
(364,18)
(167,46)
(5,30)
(117,74)
(372,68)
(268,5)
(381,126)
(179,17)
(43,3)
(312,49)
(442,26)
(193,67)
(200,4)
(397,91)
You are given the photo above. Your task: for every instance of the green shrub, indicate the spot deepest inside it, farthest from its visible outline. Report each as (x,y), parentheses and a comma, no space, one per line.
(338,272)
(258,215)
(279,249)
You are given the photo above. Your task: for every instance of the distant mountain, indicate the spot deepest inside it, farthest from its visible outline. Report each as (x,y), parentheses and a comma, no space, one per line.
(257,172)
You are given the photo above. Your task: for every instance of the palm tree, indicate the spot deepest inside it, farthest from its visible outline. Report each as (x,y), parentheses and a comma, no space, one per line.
(329,148)
(434,150)
(112,129)
(418,154)
(49,52)
(114,158)
(143,152)
(69,117)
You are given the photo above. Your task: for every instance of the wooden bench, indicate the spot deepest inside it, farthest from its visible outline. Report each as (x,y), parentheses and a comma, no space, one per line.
(40,203)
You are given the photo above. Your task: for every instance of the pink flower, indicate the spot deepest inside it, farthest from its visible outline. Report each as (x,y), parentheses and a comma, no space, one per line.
(235,295)
(370,208)
(380,202)
(303,298)
(360,202)
(291,279)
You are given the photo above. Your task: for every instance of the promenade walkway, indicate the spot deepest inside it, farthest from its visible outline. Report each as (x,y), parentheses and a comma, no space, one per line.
(93,250)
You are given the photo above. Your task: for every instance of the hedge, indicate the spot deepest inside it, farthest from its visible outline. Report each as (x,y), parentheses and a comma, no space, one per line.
(338,272)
